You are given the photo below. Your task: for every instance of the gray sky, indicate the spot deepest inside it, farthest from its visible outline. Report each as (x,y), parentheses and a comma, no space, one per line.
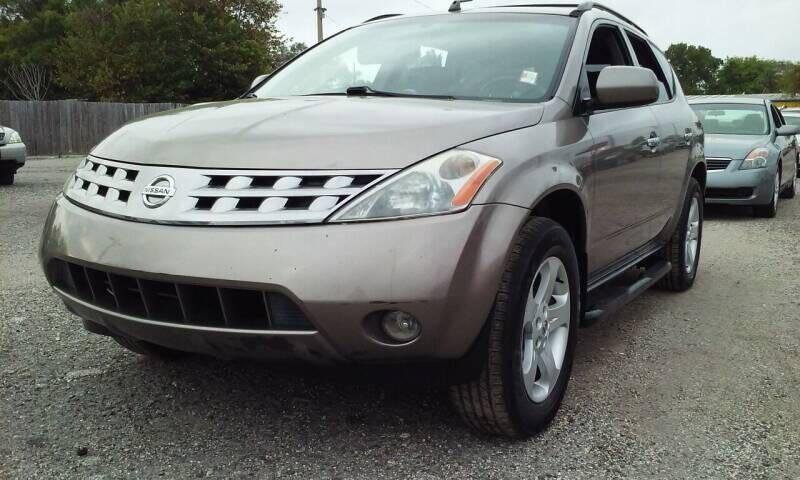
(767,28)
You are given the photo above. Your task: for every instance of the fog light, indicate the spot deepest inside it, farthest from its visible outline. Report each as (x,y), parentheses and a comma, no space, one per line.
(401,327)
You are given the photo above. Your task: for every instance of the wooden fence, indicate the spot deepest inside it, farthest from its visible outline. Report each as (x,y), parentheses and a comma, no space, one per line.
(70,126)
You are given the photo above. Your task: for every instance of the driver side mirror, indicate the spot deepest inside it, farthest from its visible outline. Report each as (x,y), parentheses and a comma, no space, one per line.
(627,87)
(788,131)
(258,80)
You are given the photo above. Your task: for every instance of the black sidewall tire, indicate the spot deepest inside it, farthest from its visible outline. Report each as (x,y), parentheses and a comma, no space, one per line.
(689,278)
(771,209)
(531,417)
(7,179)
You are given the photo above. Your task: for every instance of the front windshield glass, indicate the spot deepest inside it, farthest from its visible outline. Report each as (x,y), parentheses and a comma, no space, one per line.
(499,57)
(733,119)
(792,120)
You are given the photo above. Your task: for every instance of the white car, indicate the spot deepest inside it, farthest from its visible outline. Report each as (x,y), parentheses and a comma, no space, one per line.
(12,154)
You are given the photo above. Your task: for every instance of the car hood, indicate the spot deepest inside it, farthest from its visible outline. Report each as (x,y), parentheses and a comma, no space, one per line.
(312,132)
(736,147)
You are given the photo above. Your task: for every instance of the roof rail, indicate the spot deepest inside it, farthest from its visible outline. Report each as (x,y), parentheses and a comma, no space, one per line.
(381,17)
(582,8)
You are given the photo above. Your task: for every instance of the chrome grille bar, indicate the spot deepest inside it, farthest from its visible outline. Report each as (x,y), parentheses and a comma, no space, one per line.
(218,196)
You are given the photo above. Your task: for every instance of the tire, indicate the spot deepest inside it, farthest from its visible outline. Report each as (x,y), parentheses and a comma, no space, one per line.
(497,401)
(791,190)
(7,179)
(771,209)
(678,251)
(148,349)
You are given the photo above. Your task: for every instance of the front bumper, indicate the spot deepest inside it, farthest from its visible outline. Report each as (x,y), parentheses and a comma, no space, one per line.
(12,157)
(444,270)
(741,187)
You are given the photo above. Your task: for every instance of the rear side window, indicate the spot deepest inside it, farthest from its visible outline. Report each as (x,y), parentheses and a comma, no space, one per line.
(647,59)
(667,68)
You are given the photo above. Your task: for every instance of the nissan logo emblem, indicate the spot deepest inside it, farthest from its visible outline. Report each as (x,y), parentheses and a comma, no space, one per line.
(159,191)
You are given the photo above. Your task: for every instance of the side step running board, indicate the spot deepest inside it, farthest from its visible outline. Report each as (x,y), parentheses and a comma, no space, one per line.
(608,299)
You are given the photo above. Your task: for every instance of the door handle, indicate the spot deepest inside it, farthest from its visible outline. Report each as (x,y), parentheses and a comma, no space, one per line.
(653,142)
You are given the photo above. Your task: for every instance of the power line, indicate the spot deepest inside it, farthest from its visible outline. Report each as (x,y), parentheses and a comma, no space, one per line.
(424,5)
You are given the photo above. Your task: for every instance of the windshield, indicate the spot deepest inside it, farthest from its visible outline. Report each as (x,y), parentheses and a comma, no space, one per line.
(792,120)
(499,57)
(733,119)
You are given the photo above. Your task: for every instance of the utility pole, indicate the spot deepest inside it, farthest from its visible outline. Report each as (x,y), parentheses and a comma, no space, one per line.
(320,15)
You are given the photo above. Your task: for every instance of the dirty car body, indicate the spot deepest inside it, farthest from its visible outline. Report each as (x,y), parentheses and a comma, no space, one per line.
(291,223)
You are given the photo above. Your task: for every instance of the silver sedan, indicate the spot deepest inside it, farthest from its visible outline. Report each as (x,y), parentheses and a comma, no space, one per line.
(751,153)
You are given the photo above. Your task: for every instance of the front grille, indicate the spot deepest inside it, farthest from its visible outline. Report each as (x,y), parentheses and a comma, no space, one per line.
(179,303)
(103,186)
(218,197)
(717,163)
(729,193)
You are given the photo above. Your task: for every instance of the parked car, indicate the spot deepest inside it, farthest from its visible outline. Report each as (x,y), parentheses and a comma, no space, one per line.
(751,153)
(12,154)
(792,117)
(461,189)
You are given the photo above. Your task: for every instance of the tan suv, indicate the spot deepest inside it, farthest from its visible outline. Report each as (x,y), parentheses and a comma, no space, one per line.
(461,188)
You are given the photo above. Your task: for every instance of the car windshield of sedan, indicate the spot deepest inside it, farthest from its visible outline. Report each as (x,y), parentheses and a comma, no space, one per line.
(495,57)
(733,119)
(793,120)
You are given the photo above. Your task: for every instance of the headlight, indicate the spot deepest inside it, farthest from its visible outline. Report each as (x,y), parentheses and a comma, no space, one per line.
(446,183)
(12,137)
(756,159)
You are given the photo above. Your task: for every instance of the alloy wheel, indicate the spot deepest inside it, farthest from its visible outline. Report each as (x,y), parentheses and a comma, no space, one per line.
(545,329)
(692,235)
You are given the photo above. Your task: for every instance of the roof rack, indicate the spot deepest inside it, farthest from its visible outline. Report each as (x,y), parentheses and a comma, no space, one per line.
(381,17)
(581,8)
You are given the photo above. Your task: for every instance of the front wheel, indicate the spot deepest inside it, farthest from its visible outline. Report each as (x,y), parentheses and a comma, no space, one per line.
(683,249)
(791,191)
(771,209)
(532,332)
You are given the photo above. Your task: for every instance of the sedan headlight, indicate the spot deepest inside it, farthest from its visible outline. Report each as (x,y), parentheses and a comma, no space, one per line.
(12,136)
(446,183)
(756,159)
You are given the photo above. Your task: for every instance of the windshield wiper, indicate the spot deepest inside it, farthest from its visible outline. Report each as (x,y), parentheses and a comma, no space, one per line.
(365,91)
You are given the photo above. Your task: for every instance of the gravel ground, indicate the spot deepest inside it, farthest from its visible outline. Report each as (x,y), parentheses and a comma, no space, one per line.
(699,385)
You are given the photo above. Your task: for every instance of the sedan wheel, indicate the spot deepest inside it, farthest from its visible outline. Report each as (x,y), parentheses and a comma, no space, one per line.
(771,210)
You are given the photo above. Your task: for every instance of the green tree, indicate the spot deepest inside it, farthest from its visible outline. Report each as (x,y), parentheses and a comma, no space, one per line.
(695,66)
(29,34)
(740,75)
(168,50)
(288,50)
(790,80)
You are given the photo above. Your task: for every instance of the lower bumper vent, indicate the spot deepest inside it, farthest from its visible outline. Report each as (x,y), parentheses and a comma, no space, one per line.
(179,303)
(729,193)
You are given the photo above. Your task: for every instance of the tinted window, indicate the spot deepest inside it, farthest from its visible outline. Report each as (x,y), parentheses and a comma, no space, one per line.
(647,59)
(777,118)
(607,49)
(667,68)
(500,57)
(733,119)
